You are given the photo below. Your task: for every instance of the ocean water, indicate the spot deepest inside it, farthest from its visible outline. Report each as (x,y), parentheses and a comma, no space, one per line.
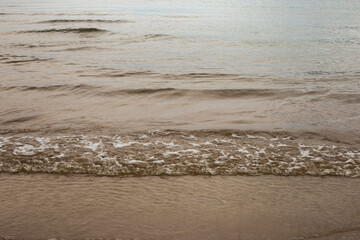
(226,88)
(77,77)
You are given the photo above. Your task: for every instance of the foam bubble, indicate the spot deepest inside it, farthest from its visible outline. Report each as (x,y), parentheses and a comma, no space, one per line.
(170,153)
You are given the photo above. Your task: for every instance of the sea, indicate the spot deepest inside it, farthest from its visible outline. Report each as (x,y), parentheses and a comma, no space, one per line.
(179,119)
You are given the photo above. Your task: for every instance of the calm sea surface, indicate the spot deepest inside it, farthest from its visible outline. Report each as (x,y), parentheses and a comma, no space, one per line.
(226,64)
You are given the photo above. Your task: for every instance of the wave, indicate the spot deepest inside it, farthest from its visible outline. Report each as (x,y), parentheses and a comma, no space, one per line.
(331,73)
(84,21)
(26,60)
(113,73)
(19,120)
(67,30)
(203,75)
(59,87)
(175,153)
(346,98)
(104,91)
(81,14)
(116,74)
(150,36)
(14,59)
(74,49)
(57,14)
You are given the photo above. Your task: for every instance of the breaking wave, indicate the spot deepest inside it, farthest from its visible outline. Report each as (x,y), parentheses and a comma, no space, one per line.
(175,153)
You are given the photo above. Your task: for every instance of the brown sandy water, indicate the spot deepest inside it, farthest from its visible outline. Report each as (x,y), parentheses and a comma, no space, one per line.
(161,90)
(266,207)
(266,65)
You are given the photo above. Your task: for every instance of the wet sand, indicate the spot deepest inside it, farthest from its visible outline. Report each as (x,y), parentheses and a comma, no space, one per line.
(40,206)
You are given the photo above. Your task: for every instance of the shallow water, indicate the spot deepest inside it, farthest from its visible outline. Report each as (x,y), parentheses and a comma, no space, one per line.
(250,208)
(275,65)
(78,77)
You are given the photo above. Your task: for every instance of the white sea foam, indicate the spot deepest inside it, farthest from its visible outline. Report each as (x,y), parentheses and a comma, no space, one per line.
(191,137)
(175,155)
(167,144)
(252,136)
(159,161)
(243,150)
(25,150)
(91,145)
(195,144)
(143,137)
(305,153)
(118,143)
(136,162)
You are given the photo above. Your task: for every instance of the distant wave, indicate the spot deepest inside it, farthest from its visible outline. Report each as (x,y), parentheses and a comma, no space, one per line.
(167,92)
(346,98)
(84,21)
(106,91)
(74,49)
(149,36)
(113,73)
(116,74)
(26,60)
(10,13)
(67,30)
(82,14)
(175,153)
(14,59)
(178,16)
(329,73)
(200,75)
(58,14)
